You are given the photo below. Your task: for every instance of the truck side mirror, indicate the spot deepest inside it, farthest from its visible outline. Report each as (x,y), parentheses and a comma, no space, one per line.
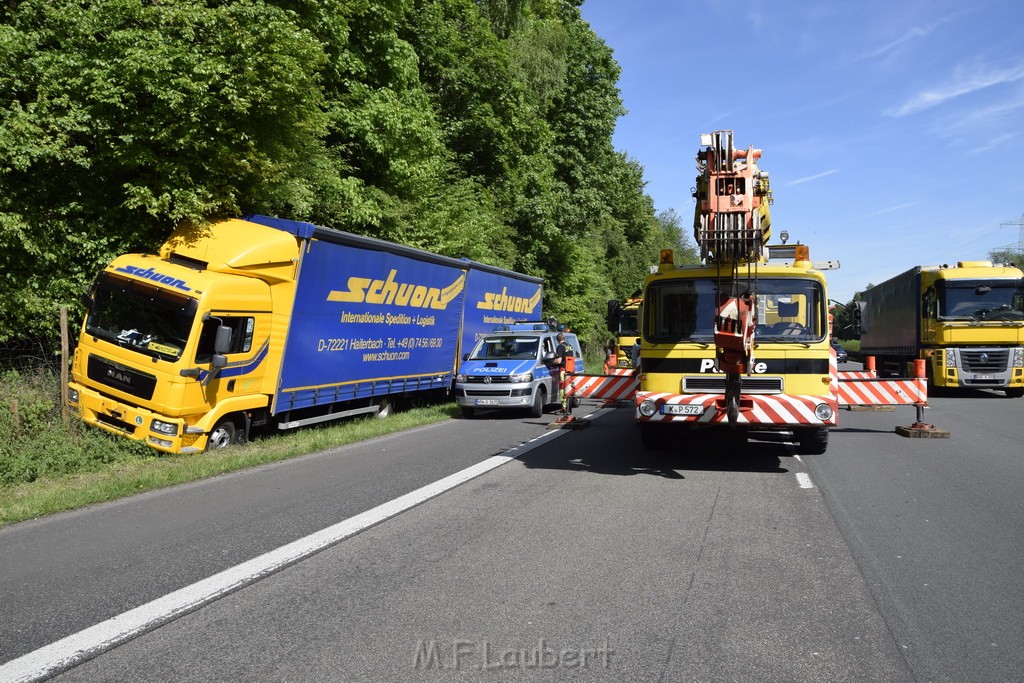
(219,361)
(222,342)
(612,317)
(859,319)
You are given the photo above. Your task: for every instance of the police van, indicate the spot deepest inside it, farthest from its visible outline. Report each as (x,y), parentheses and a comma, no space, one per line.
(514,367)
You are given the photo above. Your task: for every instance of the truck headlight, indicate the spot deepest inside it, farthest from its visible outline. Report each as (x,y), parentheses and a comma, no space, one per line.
(822,411)
(1018,357)
(161,427)
(73,394)
(648,408)
(522,377)
(950,358)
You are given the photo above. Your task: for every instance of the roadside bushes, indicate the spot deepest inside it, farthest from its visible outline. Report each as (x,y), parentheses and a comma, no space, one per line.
(34,441)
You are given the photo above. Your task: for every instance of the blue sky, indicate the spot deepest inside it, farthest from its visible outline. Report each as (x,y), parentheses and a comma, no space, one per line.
(893,131)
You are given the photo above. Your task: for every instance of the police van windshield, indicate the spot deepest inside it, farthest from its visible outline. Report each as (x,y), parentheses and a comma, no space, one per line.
(500,348)
(788,310)
(140,317)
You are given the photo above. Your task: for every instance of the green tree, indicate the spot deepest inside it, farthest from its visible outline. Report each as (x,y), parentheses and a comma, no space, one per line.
(1007,255)
(121,119)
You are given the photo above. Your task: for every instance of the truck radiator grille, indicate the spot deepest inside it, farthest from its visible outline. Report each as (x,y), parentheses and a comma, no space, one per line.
(748,385)
(995,360)
(122,378)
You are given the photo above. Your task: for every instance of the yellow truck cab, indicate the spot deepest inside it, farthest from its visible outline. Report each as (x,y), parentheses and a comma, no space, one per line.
(965,321)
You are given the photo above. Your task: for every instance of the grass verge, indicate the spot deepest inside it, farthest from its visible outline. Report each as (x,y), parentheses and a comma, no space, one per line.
(108,481)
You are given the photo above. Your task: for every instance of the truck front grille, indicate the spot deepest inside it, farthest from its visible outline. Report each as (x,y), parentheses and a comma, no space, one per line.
(994,360)
(120,377)
(716,385)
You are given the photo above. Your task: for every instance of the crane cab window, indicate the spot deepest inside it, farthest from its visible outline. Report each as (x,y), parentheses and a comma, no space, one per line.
(683,310)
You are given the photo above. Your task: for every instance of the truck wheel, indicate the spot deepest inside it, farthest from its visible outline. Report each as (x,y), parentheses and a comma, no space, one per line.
(384,408)
(539,399)
(468,413)
(1014,392)
(655,437)
(812,441)
(222,435)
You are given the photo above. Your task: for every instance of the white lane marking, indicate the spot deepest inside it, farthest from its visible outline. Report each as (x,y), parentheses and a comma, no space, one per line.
(79,647)
(804,480)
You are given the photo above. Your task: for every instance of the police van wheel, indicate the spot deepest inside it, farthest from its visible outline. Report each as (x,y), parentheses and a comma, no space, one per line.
(222,435)
(539,398)
(468,413)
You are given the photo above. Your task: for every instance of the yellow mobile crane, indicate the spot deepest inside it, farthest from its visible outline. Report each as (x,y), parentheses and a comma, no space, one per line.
(741,341)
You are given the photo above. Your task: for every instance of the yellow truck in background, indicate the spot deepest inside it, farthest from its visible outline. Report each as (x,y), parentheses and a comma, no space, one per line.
(623,321)
(965,321)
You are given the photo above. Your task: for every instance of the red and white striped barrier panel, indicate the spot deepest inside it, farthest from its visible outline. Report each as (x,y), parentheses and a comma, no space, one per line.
(767,409)
(620,386)
(867,389)
(846,375)
(874,392)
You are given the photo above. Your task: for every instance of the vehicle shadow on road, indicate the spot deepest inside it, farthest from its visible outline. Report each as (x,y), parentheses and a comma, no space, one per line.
(708,453)
(607,446)
(622,463)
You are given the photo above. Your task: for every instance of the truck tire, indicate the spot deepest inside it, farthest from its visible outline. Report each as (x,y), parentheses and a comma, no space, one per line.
(539,399)
(468,412)
(655,437)
(222,435)
(1014,392)
(384,408)
(812,441)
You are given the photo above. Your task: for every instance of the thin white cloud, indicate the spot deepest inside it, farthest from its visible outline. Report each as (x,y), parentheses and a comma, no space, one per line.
(995,143)
(964,80)
(898,207)
(912,33)
(801,181)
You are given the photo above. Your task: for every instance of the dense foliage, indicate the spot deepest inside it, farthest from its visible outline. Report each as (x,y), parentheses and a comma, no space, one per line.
(479,128)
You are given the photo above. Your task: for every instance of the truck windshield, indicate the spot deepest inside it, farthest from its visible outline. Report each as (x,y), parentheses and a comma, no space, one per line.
(140,317)
(788,310)
(495,348)
(981,299)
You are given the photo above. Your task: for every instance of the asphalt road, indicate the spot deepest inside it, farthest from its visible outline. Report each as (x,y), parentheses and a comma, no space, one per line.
(585,558)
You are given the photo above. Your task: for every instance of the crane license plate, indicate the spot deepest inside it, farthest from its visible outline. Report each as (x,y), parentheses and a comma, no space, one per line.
(682,409)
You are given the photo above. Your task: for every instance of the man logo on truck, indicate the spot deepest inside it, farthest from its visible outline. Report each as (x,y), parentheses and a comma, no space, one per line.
(364,289)
(504,302)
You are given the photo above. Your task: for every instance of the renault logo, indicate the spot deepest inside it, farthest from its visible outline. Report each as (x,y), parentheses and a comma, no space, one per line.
(984,357)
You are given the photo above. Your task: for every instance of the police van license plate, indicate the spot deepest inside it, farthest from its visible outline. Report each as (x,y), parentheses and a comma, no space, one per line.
(487,401)
(682,409)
